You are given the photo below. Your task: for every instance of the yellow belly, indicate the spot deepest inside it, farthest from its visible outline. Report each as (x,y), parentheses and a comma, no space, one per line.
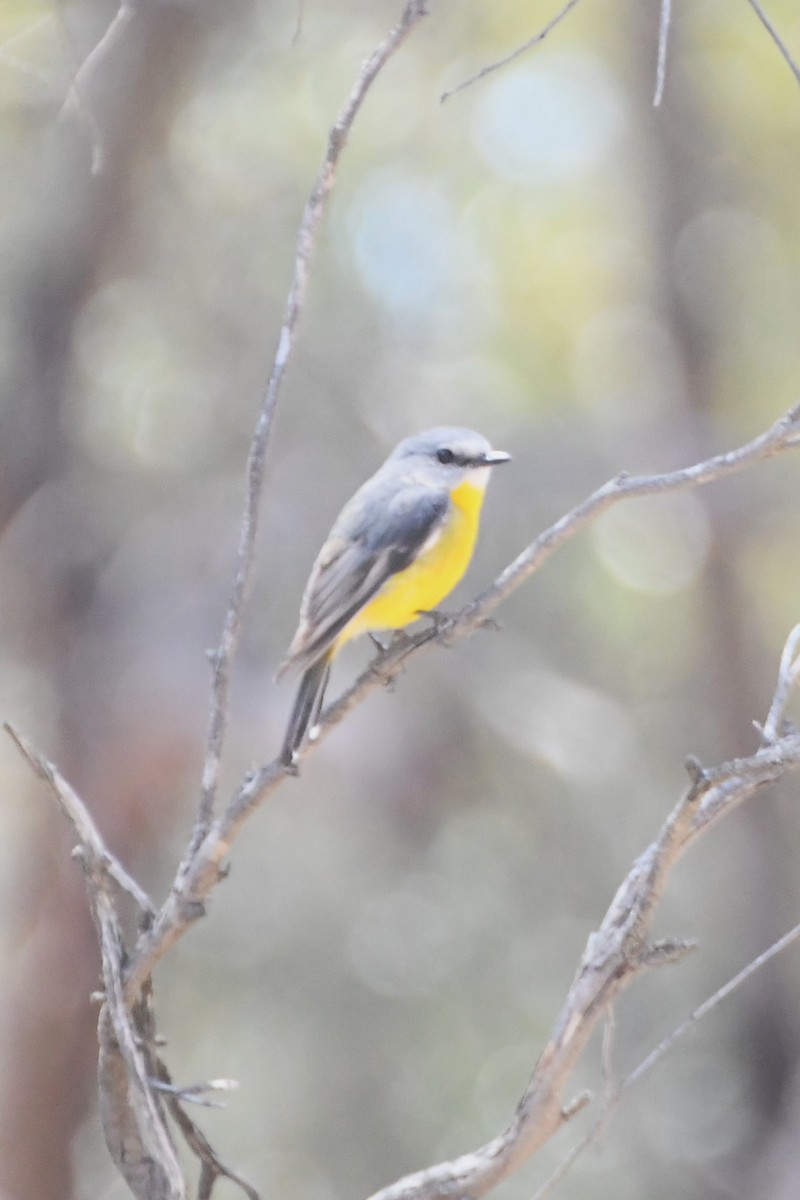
(431,577)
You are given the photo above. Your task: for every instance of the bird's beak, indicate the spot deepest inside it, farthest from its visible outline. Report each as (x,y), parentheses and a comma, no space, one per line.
(494,457)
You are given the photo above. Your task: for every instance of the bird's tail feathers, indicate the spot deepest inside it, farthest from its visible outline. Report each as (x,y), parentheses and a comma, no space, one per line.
(307,707)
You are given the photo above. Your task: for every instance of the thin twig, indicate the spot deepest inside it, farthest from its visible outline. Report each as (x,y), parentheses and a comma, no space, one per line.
(515,54)
(298,29)
(203,868)
(776,37)
(658,1052)
(196,1093)
(81,821)
(316,206)
(707,1006)
(564,1166)
(212,1166)
(607,1053)
(76,96)
(663,39)
(787,681)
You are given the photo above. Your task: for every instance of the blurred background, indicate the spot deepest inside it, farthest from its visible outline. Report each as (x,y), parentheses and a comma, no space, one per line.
(595,285)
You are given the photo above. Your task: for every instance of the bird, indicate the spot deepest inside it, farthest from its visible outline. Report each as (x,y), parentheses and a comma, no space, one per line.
(398,547)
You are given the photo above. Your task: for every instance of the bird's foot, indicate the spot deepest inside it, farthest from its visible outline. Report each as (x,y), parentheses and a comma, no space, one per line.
(440,621)
(398,641)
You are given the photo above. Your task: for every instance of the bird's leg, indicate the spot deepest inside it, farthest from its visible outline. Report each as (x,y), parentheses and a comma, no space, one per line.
(438,618)
(397,641)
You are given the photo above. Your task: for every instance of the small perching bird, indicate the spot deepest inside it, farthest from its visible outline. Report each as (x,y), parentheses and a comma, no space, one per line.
(397,548)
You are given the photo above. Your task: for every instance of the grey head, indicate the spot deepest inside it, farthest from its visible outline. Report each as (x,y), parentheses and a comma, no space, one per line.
(447,453)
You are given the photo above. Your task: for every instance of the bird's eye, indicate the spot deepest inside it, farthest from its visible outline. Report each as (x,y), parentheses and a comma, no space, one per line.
(445,456)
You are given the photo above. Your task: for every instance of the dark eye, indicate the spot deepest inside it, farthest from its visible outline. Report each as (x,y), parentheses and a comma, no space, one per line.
(445,456)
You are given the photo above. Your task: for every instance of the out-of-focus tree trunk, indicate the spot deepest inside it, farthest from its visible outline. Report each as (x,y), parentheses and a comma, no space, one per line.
(82,224)
(686,167)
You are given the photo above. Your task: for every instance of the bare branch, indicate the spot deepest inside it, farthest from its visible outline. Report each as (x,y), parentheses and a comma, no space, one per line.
(607,1053)
(81,821)
(663,39)
(212,1166)
(708,1005)
(515,54)
(776,37)
(196,1093)
(76,96)
(308,231)
(563,1167)
(133,1122)
(298,29)
(788,674)
(203,869)
(660,1050)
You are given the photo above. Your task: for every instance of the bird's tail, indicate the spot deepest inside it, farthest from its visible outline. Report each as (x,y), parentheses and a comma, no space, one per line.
(307,706)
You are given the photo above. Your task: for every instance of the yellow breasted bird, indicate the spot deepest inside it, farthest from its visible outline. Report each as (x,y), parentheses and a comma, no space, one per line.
(397,548)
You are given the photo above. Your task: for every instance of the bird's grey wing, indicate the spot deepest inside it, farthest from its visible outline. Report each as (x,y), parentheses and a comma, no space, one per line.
(368,544)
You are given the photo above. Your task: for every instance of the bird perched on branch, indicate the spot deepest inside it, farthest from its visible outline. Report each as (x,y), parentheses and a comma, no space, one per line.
(397,548)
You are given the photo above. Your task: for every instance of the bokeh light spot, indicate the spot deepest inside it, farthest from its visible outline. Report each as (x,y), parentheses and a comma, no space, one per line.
(656,545)
(548,123)
(142,401)
(584,734)
(403,235)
